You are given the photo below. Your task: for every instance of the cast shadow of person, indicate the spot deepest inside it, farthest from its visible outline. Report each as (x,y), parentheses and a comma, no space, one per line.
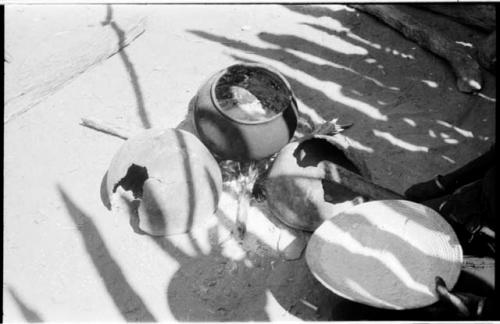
(215,284)
(213,287)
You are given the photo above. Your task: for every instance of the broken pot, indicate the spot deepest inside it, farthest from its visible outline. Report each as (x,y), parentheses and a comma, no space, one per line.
(245,112)
(316,178)
(173,176)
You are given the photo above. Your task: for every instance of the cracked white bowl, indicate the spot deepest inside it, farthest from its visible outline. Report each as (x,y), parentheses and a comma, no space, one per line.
(174,177)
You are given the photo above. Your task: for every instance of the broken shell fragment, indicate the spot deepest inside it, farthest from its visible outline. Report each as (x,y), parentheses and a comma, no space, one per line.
(173,175)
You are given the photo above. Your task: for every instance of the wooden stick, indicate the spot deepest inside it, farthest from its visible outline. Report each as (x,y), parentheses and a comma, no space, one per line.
(107,128)
(463,64)
(357,183)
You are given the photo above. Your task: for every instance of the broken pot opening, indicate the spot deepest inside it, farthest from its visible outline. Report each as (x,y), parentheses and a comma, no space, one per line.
(312,151)
(174,179)
(251,94)
(133,180)
(245,112)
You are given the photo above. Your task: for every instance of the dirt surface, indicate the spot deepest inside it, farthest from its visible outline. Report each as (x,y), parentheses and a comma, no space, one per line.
(68,258)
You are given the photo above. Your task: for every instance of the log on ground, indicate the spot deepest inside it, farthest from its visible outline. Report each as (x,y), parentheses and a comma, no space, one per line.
(465,67)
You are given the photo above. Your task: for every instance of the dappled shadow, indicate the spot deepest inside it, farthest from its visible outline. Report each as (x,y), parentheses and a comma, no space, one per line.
(292,203)
(385,262)
(171,176)
(210,285)
(222,138)
(128,302)
(353,106)
(207,286)
(348,107)
(188,174)
(379,86)
(213,284)
(213,186)
(129,66)
(29,314)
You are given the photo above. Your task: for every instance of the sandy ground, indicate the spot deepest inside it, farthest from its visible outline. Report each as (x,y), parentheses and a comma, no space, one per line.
(67,258)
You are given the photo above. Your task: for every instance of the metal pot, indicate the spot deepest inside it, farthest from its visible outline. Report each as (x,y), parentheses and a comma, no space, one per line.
(230,138)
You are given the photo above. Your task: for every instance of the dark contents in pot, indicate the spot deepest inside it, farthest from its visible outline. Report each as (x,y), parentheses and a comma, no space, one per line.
(251,94)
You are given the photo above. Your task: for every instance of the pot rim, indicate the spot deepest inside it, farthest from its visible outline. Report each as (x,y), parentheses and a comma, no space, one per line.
(267,69)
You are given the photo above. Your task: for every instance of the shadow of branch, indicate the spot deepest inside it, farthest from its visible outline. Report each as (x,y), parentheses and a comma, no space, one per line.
(29,314)
(129,66)
(128,302)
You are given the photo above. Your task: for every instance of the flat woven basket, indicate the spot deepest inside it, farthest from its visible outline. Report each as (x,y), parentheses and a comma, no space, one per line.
(386,254)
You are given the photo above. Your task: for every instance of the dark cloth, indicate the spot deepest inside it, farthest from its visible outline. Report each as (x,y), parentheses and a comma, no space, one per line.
(470,207)
(472,171)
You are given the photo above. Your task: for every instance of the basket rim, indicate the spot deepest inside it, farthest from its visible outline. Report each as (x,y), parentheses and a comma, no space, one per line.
(316,263)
